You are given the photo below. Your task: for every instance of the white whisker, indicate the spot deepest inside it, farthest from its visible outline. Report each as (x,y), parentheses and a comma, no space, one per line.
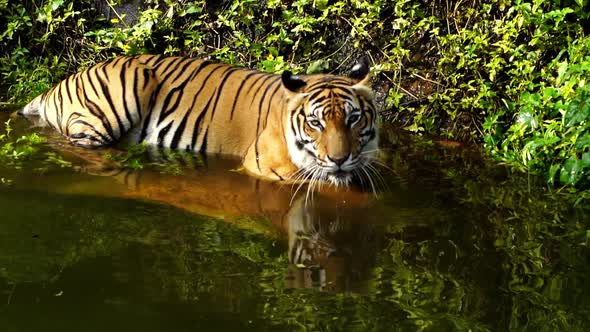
(304,177)
(369,178)
(370,151)
(377,175)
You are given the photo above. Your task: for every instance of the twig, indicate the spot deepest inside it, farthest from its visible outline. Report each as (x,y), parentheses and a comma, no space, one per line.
(427,79)
(117,14)
(400,87)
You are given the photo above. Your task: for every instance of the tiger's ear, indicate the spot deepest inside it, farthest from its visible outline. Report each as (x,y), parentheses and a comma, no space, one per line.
(292,84)
(360,75)
(360,72)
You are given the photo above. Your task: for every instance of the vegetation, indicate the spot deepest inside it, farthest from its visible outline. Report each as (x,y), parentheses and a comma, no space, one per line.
(139,156)
(510,74)
(26,150)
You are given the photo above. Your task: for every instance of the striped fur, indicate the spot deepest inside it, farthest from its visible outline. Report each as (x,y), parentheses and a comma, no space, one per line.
(317,127)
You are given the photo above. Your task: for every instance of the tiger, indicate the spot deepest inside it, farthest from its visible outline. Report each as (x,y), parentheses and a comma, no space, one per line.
(284,127)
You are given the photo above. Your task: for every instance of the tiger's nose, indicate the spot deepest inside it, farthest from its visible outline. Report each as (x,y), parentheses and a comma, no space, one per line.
(338,161)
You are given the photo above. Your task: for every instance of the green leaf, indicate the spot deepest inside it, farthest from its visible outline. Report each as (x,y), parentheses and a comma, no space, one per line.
(317,67)
(571,171)
(551,174)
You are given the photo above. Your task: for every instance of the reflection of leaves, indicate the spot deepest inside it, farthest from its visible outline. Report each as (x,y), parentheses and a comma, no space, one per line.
(15,152)
(55,159)
(139,156)
(541,249)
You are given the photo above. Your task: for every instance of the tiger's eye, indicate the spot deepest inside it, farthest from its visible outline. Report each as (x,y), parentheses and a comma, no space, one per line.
(315,123)
(353,119)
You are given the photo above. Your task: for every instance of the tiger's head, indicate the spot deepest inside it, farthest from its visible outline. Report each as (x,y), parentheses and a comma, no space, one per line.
(331,128)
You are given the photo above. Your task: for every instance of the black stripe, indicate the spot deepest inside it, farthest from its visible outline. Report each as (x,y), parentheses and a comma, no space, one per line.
(136,92)
(162,134)
(370,133)
(105,91)
(199,123)
(237,96)
(178,90)
(346,95)
(79,88)
(314,95)
(123,79)
(294,118)
(260,86)
(104,139)
(179,131)
(262,75)
(164,78)
(329,83)
(45,109)
(89,137)
(147,121)
(94,109)
(59,110)
(277,78)
(153,59)
(167,63)
(166,109)
(67,82)
(362,103)
(203,148)
(146,78)
(270,99)
(196,130)
(117,60)
(277,174)
(70,118)
(219,88)
(79,115)
(89,78)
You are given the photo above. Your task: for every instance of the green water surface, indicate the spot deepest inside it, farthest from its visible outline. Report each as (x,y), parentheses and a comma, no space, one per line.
(450,243)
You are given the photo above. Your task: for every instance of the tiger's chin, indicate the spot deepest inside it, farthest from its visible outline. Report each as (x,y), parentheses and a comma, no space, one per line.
(339,178)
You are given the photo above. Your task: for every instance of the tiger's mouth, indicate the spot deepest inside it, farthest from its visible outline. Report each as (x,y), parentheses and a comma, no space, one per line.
(340,177)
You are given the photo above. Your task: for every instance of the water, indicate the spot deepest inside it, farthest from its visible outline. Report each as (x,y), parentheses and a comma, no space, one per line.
(449,244)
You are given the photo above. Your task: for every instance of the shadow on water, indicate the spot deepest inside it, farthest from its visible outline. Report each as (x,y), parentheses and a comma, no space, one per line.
(449,244)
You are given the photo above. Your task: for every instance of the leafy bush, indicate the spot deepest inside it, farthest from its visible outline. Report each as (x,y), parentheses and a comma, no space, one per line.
(508,73)
(551,130)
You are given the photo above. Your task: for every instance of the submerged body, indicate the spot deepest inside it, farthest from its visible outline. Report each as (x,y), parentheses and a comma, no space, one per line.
(284,127)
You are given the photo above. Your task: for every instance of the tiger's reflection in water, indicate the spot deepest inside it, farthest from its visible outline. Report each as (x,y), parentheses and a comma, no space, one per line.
(332,245)
(331,238)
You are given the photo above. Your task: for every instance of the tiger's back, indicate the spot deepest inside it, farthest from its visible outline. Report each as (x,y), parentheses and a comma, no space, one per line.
(207,106)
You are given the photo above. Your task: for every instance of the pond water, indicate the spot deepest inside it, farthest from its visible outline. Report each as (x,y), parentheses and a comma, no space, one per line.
(449,243)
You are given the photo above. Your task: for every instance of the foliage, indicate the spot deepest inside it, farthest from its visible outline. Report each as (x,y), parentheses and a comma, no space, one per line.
(15,152)
(508,73)
(551,125)
(139,156)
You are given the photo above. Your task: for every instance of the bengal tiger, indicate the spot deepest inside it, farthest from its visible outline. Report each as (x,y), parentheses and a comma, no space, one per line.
(284,127)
